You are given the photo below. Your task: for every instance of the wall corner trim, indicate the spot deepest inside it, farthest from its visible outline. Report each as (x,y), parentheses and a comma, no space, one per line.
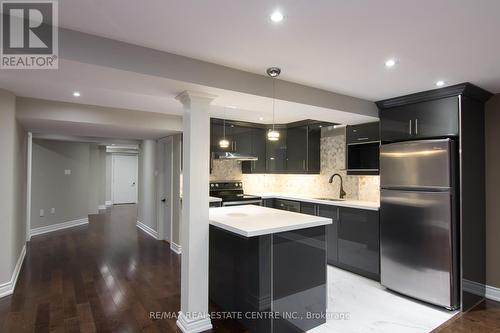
(148,230)
(58,226)
(7,288)
(175,247)
(187,325)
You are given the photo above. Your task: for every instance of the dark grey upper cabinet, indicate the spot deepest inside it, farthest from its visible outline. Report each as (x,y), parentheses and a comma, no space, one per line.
(258,149)
(241,139)
(297,150)
(427,119)
(362,133)
(296,154)
(276,153)
(303,149)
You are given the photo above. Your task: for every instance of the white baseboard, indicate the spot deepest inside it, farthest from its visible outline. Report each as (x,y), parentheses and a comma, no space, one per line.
(150,231)
(493,293)
(101,207)
(175,247)
(476,288)
(7,289)
(58,226)
(187,325)
(109,203)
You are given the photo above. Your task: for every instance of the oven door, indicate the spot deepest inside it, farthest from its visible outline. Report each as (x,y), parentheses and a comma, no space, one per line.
(242,202)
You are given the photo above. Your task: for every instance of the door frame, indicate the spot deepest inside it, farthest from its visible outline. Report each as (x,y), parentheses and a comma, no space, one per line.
(113,155)
(164,233)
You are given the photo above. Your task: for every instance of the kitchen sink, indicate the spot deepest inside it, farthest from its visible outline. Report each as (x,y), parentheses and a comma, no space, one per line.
(330,199)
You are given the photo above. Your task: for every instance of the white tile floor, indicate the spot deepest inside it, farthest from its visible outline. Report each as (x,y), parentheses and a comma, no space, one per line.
(374,309)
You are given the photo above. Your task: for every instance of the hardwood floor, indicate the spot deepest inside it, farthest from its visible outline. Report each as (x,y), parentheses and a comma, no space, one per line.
(106,277)
(109,276)
(485,317)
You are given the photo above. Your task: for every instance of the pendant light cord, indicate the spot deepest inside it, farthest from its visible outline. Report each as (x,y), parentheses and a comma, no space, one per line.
(274,99)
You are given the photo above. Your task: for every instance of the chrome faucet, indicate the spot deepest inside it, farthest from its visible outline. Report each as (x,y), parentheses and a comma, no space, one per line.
(342,192)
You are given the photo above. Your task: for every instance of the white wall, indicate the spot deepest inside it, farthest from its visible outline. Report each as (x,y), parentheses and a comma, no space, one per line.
(12,188)
(147,210)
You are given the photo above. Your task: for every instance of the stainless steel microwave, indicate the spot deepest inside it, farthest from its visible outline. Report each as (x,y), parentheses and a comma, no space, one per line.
(363,158)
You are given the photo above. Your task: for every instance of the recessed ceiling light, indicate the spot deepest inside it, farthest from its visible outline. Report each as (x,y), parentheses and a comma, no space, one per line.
(276,16)
(390,63)
(231,106)
(261,118)
(440,83)
(76,94)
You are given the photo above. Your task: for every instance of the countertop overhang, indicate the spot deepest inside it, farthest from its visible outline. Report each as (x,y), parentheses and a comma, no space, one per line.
(251,221)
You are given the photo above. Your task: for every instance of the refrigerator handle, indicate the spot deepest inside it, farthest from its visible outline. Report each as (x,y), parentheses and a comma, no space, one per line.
(409,127)
(416,126)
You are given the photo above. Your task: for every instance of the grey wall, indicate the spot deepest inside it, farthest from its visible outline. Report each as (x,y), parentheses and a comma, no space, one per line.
(94,179)
(147,185)
(108,167)
(102,175)
(51,188)
(493,191)
(12,189)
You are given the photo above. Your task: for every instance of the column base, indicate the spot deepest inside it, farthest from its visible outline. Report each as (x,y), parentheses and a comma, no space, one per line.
(187,325)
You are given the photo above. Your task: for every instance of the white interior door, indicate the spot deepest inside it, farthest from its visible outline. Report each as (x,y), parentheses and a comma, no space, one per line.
(124,179)
(165,195)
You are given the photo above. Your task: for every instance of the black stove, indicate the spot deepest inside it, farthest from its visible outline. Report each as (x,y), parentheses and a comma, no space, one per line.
(231,193)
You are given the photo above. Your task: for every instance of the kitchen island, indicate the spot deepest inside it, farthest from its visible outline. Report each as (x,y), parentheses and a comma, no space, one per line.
(268,267)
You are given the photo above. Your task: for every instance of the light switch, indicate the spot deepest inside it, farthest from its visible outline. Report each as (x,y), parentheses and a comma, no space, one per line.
(52,210)
(42,212)
(67,172)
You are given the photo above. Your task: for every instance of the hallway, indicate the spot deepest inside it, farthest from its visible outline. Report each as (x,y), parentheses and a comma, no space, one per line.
(104,277)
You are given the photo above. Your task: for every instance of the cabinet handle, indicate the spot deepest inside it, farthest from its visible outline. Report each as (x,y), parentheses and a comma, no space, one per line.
(235,146)
(416,126)
(303,164)
(362,139)
(409,128)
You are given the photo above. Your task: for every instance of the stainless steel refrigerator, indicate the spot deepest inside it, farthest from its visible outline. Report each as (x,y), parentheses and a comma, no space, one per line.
(418,220)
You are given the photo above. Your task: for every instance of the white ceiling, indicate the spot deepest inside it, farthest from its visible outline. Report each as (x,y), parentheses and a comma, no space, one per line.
(336,45)
(109,87)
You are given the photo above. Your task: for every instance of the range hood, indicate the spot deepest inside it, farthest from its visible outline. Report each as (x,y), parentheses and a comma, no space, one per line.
(234,156)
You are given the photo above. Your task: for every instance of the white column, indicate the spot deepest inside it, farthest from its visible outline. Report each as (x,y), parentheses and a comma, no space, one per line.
(193,316)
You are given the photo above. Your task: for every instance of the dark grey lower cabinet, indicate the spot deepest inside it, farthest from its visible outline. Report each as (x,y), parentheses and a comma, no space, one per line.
(308,208)
(359,242)
(270,203)
(331,212)
(214,204)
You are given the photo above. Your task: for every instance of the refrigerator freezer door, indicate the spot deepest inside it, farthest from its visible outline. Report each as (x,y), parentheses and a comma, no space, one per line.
(416,245)
(416,164)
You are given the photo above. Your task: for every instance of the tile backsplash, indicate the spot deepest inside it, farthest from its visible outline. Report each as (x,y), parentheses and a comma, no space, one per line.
(366,188)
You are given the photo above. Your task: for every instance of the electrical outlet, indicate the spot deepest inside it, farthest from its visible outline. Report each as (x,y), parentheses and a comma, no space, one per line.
(52,210)
(42,212)
(67,172)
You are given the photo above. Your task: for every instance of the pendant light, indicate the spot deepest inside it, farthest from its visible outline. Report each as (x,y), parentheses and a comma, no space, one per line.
(224,143)
(273,72)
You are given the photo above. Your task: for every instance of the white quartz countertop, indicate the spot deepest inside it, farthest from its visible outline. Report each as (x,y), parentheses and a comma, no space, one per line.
(250,220)
(370,205)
